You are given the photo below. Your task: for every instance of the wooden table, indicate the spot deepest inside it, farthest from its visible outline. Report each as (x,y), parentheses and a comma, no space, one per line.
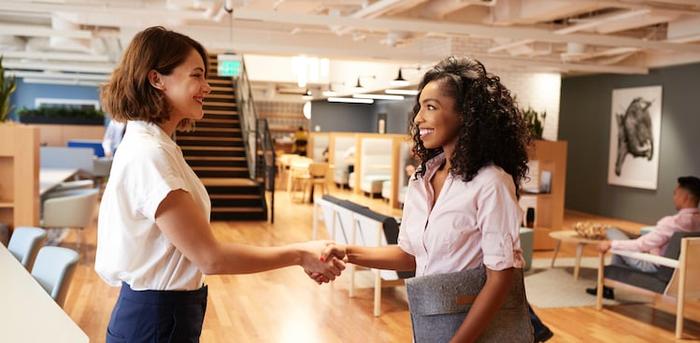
(28,313)
(49,178)
(570,236)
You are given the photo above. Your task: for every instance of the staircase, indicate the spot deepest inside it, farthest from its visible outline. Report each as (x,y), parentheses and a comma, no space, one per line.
(216,153)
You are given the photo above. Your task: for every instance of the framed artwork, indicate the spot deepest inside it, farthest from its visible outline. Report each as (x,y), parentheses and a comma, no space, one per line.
(635,130)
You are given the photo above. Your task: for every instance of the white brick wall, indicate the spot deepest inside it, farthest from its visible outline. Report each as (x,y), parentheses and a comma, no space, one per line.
(541,91)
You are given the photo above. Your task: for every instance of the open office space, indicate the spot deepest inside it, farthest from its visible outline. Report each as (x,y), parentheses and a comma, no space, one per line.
(540,150)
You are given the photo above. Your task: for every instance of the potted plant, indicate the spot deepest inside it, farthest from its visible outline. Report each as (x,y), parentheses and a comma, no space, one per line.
(534,122)
(7,87)
(61,115)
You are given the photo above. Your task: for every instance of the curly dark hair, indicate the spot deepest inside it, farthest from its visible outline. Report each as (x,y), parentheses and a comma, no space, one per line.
(492,127)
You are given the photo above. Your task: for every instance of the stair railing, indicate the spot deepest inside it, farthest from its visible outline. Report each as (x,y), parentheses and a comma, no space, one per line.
(266,168)
(260,151)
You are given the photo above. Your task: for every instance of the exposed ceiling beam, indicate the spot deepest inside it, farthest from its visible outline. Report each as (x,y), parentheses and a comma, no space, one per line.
(440,8)
(330,46)
(694,3)
(589,24)
(537,11)
(56,56)
(374,10)
(408,25)
(550,64)
(60,76)
(510,45)
(604,19)
(637,4)
(42,31)
(422,26)
(573,57)
(79,68)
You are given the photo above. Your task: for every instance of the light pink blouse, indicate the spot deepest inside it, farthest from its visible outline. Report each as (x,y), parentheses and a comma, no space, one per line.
(472,223)
(656,242)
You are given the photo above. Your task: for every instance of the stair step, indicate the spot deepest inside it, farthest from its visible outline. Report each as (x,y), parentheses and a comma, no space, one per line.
(222,89)
(212,148)
(205,143)
(215,158)
(257,203)
(205,133)
(221,173)
(235,216)
(234,196)
(237,209)
(205,138)
(209,168)
(224,112)
(219,82)
(221,116)
(219,103)
(230,96)
(240,164)
(229,182)
(203,125)
(219,120)
(202,130)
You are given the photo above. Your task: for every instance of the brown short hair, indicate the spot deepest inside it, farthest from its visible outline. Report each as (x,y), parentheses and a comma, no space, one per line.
(129,95)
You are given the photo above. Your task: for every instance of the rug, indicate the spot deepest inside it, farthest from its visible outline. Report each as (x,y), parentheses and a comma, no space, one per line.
(555,287)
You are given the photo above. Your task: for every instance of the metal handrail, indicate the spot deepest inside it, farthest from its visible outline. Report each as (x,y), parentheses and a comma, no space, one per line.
(260,150)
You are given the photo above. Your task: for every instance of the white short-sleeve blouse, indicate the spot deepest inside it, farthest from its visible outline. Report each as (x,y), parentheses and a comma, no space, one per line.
(130,247)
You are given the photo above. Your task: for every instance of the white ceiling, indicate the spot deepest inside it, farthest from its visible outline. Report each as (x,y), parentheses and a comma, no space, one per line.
(567,36)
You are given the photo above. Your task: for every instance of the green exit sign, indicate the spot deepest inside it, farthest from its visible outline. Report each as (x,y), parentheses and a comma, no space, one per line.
(229,68)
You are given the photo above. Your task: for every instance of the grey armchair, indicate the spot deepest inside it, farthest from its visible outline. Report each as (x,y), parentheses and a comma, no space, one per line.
(678,276)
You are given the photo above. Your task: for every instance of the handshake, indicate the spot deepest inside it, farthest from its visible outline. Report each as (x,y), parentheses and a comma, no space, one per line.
(322,261)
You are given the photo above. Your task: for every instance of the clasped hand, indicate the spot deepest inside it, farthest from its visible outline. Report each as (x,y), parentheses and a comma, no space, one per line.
(327,263)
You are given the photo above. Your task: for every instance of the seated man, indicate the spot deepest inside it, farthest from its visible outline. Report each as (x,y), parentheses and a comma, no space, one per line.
(685,197)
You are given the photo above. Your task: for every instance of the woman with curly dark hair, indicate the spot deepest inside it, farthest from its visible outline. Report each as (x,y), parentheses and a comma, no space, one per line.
(461,218)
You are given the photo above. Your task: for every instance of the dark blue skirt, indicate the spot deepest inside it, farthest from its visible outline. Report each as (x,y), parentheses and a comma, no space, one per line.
(157,316)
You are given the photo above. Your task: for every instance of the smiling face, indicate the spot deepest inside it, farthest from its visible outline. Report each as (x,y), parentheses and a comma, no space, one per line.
(437,120)
(186,87)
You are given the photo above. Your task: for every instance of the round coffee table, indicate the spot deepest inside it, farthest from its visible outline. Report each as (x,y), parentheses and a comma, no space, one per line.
(570,236)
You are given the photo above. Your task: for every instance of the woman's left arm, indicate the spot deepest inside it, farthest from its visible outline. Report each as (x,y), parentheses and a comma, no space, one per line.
(487,302)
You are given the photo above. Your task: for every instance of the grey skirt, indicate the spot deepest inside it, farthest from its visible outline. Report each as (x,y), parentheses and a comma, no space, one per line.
(439,304)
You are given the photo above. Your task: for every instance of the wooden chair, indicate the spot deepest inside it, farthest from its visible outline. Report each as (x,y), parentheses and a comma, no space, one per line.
(678,276)
(317,176)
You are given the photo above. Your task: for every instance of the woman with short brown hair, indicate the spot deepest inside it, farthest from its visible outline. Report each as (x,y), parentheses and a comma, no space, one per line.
(154,238)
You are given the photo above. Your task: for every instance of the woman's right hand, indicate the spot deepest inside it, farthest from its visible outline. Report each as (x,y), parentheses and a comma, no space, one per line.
(335,253)
(315,265)
(338,251)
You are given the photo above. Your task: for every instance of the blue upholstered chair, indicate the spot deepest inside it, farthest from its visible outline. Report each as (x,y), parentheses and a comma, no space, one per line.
(53,269)
(25,244)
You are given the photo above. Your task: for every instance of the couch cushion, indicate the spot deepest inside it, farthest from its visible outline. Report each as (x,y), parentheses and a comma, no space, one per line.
(649,281)
(673,251)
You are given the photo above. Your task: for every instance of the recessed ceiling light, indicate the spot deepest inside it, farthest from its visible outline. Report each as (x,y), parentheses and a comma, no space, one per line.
(402,91)
(351,100)
(378,96)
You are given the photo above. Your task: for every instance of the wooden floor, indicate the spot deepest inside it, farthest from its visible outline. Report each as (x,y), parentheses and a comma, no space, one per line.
(285,306)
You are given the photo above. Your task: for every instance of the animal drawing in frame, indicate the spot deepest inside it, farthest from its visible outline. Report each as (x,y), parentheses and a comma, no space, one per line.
(635,130)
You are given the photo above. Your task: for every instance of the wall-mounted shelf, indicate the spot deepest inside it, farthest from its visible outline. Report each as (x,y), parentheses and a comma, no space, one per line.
(549,207)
